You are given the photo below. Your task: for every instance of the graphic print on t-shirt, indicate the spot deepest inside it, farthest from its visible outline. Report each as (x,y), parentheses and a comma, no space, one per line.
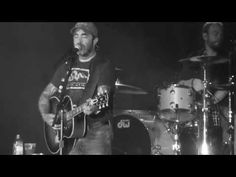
(78,78)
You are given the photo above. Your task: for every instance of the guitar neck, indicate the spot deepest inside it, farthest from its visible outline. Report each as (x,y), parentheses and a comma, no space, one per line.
(100,101)
(70,114)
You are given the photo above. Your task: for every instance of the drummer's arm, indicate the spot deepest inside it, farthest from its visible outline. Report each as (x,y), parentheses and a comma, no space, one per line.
(197,85)
(194,83)
(186,82)
(219,96)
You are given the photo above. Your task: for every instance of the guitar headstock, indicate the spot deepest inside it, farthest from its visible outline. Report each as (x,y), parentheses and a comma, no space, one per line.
(101,101)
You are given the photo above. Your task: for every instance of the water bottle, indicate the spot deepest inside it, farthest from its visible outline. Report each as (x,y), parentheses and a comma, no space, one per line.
(18,146)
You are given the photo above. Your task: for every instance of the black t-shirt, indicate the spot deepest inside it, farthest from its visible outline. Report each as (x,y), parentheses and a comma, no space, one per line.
(80,75)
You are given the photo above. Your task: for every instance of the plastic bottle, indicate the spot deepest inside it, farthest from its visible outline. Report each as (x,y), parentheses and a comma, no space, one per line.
(18,146)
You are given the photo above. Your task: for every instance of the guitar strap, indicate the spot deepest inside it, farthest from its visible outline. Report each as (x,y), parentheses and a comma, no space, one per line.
(64,82)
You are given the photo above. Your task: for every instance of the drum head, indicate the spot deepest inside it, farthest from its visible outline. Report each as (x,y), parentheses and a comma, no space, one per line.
(130,136)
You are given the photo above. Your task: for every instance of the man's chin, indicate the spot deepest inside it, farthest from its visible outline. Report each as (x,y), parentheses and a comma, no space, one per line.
(216,46)
(84,55)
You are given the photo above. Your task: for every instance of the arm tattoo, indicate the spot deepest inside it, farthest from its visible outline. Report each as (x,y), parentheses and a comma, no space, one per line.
(44,98)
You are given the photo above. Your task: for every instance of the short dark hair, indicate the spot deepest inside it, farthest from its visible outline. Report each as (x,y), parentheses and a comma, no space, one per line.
(207,25)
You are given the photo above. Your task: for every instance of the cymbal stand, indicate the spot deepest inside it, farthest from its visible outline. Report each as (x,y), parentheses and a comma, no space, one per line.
(231,122)
(204,148)
(176,146)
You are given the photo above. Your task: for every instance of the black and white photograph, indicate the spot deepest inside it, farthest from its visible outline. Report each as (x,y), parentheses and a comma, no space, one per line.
(117,88)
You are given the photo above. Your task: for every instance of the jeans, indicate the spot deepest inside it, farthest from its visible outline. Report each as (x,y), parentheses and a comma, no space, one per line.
(96,142)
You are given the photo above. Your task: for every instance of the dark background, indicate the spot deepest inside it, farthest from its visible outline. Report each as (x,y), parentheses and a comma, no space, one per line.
(147,52)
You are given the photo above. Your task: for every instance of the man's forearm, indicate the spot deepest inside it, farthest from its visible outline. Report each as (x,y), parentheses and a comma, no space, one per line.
(44,99)
(43,104)
(219,96)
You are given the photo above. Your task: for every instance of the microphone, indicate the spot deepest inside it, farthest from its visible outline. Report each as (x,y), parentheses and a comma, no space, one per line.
(72,54)
(77,48)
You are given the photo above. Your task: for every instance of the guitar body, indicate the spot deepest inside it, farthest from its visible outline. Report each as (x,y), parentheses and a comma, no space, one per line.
(72,129)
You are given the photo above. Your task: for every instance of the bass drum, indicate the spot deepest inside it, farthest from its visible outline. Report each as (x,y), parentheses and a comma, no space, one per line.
(130,136)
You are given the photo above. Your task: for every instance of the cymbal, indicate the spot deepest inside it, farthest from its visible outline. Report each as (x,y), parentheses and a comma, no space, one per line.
(118,69)
(129,89)
(210,60)
(132,92)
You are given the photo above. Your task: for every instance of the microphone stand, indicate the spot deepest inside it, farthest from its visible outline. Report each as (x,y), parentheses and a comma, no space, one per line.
(60,106)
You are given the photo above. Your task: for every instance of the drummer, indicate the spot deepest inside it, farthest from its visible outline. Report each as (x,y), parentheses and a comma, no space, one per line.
(192,73)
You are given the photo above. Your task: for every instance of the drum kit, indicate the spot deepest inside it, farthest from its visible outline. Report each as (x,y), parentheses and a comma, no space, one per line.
(179,125)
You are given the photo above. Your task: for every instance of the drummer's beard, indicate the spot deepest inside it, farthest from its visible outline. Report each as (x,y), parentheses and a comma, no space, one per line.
(215,45)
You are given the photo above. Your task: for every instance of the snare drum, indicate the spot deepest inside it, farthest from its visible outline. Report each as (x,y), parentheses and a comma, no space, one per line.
(176,102)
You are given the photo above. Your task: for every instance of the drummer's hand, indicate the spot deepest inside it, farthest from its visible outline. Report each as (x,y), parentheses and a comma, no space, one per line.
(186,82)
(197,85)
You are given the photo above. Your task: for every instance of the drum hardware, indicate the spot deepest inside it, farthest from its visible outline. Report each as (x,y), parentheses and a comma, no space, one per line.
(230,94)
(176,146)
(147,116)
(204,147)
(156,150)
(161,134)
(147,121)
